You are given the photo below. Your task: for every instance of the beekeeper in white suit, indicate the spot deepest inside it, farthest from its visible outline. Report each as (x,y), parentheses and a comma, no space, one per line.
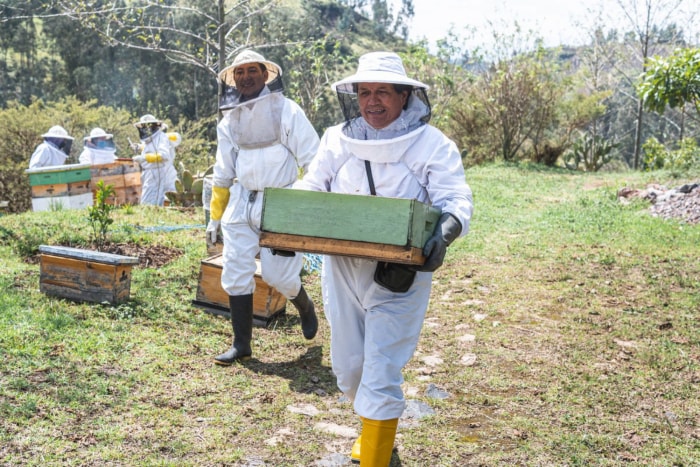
(263,140)
(53,150)
(98,148)
(375,309)
(158,172)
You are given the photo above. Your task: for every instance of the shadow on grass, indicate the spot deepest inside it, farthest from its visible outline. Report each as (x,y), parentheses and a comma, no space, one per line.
(306,374)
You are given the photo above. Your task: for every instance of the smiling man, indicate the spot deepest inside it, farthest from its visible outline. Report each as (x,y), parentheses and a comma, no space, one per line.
(381,103)
(263,140)
(250,80)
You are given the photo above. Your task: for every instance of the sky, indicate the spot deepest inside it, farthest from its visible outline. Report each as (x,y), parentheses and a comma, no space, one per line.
(557,22)
(554,20)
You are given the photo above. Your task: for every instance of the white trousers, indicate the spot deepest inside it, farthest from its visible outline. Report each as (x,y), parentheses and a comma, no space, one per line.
(242,244)
(374,333)
(155,181)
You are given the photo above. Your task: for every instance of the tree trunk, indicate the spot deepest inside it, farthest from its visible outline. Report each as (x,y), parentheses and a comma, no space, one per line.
(222,52)
(638,133)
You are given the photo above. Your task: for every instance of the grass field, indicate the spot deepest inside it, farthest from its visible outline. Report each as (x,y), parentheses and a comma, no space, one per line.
(564,330)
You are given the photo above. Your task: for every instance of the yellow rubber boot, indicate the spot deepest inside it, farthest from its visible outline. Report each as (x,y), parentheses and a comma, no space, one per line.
(355,453)
(377,442)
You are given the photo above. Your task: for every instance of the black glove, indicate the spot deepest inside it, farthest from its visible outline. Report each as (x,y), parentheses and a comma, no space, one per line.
(447,229)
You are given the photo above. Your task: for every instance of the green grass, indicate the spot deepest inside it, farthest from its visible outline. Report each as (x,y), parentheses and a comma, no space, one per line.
(581,314)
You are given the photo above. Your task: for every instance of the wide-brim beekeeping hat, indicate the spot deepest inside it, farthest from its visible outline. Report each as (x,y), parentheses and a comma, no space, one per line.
(377,67)
(244,58)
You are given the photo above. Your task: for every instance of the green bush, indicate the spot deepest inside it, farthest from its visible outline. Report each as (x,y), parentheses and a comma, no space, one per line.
(657,156)
(100,214)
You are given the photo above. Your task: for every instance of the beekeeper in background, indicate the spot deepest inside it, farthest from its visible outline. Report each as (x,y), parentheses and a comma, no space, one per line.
(158,172)
(98,148)
(263,139)
(376,309)
(53,150)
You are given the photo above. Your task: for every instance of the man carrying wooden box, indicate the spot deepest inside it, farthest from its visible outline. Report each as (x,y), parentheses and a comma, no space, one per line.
(263,139)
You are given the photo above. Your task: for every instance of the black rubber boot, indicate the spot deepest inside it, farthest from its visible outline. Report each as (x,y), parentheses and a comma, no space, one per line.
(309,322)
(242,322)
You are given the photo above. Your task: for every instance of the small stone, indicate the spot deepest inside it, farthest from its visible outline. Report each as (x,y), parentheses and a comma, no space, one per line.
(306,409)
(468,359)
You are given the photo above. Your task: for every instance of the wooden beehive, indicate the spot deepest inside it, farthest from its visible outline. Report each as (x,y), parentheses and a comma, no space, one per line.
(372,227)
(268,303)
(60,187)
(85,275)
(124,175)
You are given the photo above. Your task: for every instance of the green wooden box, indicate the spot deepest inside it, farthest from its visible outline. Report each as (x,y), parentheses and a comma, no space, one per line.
(68,173)
(373,227)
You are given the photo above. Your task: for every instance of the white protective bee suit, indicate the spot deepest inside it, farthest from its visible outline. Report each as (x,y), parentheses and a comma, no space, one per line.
(48,153)
(98,148)
(156,177)
(261,143)
(374,332)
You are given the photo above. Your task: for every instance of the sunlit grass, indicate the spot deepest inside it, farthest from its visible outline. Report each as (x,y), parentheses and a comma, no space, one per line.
(577,317)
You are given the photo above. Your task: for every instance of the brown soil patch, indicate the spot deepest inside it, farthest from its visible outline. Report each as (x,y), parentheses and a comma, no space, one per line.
(150,256)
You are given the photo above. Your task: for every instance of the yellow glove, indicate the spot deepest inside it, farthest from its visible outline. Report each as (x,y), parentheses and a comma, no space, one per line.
(153,157)
(219,201)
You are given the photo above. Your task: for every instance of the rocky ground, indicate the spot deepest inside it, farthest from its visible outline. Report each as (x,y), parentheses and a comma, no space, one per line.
(682,203)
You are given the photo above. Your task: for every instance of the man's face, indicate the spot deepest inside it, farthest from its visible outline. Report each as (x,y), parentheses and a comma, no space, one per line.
(249,79)
(380,104)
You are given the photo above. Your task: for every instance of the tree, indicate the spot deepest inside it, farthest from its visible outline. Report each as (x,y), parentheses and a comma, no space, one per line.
(509,108)
(648,19)
(445,72)
(596,78)
(309,76)
(24,70)
(200,33)
(672,82)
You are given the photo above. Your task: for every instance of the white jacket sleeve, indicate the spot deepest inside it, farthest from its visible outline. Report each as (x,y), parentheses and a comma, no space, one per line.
(85,157)
(325,165)
(226,154)
(299,136)
(442,175)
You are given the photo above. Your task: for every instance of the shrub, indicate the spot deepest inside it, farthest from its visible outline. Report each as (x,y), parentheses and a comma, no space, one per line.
(657,156)
(100,214)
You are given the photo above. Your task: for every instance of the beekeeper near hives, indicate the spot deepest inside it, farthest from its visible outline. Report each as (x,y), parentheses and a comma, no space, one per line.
(263,140)
(53,150)
(158,173)
(385,148)
(98,148)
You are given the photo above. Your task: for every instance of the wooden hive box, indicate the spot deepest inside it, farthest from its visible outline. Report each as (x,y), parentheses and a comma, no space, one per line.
(124,175)
(85,275)
(372,227)
(268,303)
(60,187)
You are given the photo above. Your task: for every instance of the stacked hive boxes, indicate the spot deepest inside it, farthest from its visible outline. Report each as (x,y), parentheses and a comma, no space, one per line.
(60,187)
(124,175)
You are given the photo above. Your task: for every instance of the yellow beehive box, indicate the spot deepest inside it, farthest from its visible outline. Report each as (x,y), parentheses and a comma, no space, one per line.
(268,303)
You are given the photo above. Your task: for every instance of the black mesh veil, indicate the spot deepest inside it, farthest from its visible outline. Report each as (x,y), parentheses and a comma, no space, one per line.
(417,103)
(64,144)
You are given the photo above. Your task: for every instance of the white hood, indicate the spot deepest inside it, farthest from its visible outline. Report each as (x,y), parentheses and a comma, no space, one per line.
(380,150)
